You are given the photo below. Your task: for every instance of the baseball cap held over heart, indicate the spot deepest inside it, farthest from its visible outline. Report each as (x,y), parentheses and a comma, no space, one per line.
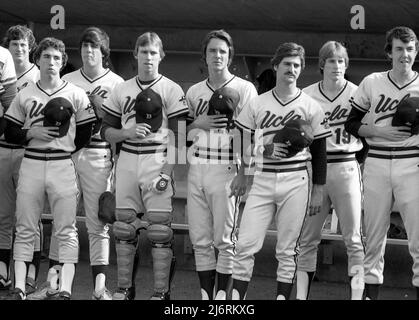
(149,109)
(57,113)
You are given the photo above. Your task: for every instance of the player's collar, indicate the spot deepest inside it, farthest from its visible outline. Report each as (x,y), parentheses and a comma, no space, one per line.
(62,86)
(404,86)
(337,96)
(141,85)
(223,85)
(289,101)
(93,80)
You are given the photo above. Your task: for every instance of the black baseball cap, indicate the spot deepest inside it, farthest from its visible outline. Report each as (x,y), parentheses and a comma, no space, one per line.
(224,101)
(149,109)
(407,114)
(297,134)
(57,113)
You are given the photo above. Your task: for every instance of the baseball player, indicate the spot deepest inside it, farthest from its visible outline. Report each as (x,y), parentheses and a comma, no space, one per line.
(9,155)
(94,163)
(43,117)
(21,42)
(391,172)
(139,113)
(211,213)
(343,185)
(282,184)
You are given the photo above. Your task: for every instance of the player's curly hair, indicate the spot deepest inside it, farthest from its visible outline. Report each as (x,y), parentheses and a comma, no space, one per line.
(330,49)
(288,49)
(146,39)
(404,34)
(97,37)
(218,34)
(19,32)
(50,42)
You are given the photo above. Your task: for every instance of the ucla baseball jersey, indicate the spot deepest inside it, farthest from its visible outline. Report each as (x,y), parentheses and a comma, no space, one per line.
(378,95)
(215,145)
(30,75)
(7,69)
(7,77)
(266,114)
(337,111)
(121,104)
(27,110)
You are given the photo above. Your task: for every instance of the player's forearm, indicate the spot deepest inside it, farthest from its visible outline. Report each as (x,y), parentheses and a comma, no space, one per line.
(113,135)
(14,133)
(353,124)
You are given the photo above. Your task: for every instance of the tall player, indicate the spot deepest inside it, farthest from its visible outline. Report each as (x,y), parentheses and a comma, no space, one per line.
(51,118)
(94,163)
(391,172)
(21,42)
(139,113)
(281,186)
(211,213)
(7,173)
(343,185)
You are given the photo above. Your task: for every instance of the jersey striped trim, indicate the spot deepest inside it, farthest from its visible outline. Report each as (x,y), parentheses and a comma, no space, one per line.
(243,127)
(88,120)
(93,80)
(8,81)
(27,71)
(138,81)
(223,85)
(143,148)
(13,119)
(340,156)
(282,166)
(178,113)
(406,85)
(390,153)
(46,154)
(357,106)
(96,143)
(323,135)
(111,112)
(6,145)
(340,92)
(38,84)
(288,102)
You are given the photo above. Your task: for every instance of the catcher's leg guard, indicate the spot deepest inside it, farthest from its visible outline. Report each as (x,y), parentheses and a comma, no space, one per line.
(126,230)
(161,235)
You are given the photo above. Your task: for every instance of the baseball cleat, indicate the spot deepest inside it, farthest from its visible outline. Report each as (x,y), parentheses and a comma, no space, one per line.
(103,294)
(30,286)
(124,294)
(160,296)
(63,295)
(5,283)
(44,292)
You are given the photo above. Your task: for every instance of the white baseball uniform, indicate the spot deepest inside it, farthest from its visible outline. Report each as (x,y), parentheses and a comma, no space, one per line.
(343,185)
(47,168)
(10,158)
(141,160)
(94,166)
(212,215)
(391,173)
(281,189)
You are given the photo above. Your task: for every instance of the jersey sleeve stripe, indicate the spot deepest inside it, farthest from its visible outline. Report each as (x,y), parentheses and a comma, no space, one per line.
(323,135)
(8,80)
(84,121)
(243,127)
(112,112)
(178,113)
(9,117)
(356,106)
